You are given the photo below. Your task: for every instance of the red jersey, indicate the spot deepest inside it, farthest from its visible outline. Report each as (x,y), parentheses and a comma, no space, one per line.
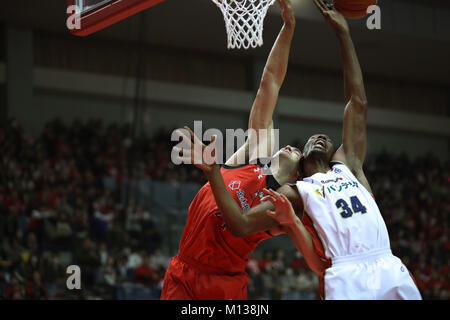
(206,238)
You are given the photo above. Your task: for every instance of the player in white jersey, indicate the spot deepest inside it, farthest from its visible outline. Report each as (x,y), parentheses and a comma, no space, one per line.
(353,237)
(337,200)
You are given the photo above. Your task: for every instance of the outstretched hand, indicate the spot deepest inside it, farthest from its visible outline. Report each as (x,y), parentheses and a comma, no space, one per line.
(284,213)
(198,154)
(334,17)
(287,13)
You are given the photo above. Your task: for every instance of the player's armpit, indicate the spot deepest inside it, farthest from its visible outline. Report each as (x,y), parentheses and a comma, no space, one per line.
(261,143)
(277,230)
(356,167)
(294,198)
(361,177)
(240,157)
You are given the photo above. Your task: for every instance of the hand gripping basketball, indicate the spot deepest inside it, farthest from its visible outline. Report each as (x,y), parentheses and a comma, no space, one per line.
(334,17)
(284,213)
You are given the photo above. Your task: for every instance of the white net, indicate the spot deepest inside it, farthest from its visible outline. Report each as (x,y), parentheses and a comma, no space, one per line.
(244,21)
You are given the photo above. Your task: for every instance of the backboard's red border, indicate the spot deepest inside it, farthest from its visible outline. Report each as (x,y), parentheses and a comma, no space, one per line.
(110,14)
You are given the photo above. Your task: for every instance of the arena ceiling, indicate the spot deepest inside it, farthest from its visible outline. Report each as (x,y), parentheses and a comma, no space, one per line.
(198,25)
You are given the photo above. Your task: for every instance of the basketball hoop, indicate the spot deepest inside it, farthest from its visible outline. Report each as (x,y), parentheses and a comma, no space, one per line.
(244,21)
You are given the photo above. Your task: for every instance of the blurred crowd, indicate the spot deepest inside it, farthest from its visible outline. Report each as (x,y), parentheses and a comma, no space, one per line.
(56,211)
(414,199)
(277,276)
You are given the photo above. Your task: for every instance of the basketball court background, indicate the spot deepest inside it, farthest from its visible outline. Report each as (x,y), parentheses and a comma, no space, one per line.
(168,66)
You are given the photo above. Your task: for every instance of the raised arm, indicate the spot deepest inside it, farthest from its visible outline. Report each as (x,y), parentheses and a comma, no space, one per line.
(274,72)
(354,140)
(272,79)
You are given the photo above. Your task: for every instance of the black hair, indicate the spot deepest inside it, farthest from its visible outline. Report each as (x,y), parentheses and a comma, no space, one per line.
(301,166)
(302,147)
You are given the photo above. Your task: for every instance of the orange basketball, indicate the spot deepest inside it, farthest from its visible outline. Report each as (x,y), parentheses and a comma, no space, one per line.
(355,9)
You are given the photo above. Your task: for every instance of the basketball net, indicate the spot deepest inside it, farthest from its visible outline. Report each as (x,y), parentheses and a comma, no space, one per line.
(244,21)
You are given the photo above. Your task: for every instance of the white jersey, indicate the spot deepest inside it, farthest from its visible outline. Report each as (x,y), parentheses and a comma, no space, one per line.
(354,237)
(344,213)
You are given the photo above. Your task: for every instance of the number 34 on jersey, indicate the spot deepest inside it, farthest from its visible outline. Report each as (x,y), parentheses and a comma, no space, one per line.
(349,209)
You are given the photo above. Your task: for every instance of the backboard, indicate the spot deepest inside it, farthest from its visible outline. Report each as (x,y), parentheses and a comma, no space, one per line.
(95,15)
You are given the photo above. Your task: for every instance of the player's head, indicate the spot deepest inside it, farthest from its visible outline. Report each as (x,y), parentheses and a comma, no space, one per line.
(289,161)
(319,147)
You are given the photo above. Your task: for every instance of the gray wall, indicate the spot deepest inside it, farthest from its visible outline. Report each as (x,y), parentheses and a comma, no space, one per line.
(37,94)
(66,95)
(414,135)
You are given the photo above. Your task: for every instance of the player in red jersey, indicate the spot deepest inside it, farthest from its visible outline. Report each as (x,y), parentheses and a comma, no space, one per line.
(212,257)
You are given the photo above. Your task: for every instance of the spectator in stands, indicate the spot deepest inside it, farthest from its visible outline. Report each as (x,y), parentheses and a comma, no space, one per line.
(290,279)
(144,274)
(30,264)
(35,289)
(266,262)
(307,285)
(53,272)
(32,244)
(108,276)
(5,259)
(3,284)
(278,285)
(63,230)
(121,269)
(103,252)
(79,223)
(135,259)
(255,286)
(267,283)
(15,290)
(158,260)
(88,259)
(298,262)
(14,252)
(279,262)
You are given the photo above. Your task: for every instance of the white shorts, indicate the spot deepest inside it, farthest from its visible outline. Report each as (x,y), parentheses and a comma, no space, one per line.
(377,275)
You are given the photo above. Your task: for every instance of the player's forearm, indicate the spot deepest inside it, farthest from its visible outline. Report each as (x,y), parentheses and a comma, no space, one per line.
(277,63)
(303,242)
(272,79)
(353,78)
(230,210)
